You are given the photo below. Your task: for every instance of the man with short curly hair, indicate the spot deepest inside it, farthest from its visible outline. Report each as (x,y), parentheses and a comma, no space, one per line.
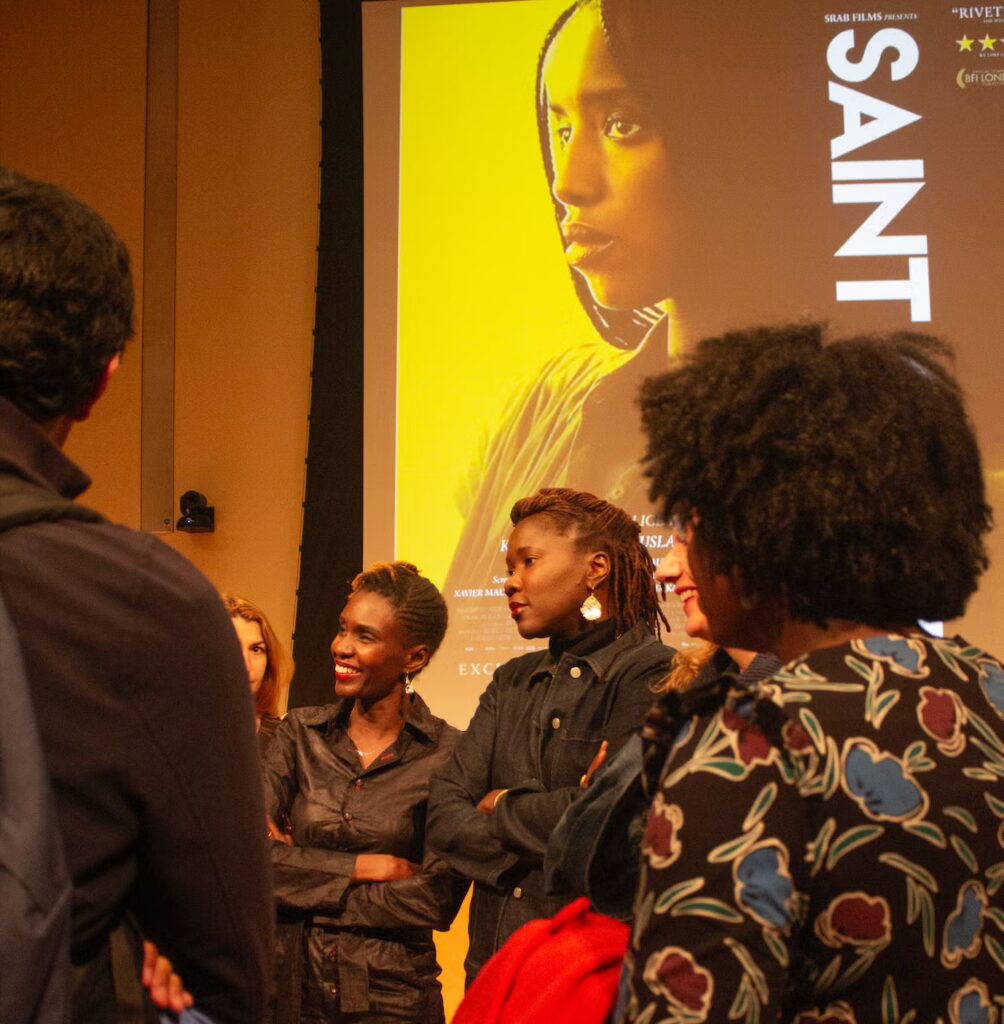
(139,692)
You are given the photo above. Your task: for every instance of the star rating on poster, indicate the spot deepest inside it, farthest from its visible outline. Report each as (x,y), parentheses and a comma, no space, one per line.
(965,44)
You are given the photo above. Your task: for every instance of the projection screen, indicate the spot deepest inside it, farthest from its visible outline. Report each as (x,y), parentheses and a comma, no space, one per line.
(827,161)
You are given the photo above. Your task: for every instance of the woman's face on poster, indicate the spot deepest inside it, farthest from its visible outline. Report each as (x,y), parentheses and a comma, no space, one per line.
(611,170)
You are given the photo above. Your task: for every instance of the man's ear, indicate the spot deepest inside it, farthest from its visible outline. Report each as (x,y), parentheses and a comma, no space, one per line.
(598,569)
(84,409)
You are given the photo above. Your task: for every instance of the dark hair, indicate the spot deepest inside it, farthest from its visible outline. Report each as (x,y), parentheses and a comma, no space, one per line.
(66,297)
(628,25)
(844,476)
(604,527)
(417,602)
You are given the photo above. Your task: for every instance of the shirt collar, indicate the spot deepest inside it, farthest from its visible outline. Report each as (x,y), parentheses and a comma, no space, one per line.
(419,720)
(27,451)
(599,660)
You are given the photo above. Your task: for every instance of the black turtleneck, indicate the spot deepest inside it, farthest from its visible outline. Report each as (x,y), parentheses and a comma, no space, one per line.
(591,639)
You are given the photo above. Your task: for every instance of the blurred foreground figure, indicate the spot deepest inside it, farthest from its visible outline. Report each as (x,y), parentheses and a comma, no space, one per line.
(828,845)
(133,669)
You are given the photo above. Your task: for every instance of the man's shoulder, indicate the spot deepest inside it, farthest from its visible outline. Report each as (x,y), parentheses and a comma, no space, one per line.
(145,615)
(112,553)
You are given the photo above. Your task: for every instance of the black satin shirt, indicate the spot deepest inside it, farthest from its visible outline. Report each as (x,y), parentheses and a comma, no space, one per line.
(357,948)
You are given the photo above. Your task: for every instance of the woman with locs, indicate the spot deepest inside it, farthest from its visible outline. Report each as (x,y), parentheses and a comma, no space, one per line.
(346,787)
(578,577)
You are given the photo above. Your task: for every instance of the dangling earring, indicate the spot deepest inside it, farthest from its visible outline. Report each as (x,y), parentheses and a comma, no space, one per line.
(591,609)
(408,688)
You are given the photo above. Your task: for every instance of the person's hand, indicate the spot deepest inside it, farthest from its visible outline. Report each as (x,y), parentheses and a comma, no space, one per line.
(382,867)
(489,801)
(167,991)
(594,765)
(275,833)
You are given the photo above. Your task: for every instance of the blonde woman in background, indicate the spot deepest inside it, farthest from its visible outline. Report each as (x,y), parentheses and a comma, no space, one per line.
(269,666)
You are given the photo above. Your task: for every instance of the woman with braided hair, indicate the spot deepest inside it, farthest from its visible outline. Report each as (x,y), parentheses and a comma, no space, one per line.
(357,894)
(580,578)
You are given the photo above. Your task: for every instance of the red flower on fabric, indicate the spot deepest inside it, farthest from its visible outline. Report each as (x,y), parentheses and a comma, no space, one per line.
(661,842)
(835,1013)
(855,919)
(796,738)
(751,746)
(942,716)
(674,974)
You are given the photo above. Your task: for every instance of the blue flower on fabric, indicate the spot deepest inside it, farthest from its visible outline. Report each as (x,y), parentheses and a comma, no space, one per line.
(992,684)
(879,783)
(972,1010)
(763,884)
(904,656)
(964,926)
(971,1004)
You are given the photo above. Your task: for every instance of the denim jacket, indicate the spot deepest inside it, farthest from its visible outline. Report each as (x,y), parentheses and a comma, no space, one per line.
(539,724)
(594,849)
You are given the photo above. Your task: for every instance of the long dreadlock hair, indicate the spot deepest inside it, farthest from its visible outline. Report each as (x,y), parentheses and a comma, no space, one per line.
(600,526)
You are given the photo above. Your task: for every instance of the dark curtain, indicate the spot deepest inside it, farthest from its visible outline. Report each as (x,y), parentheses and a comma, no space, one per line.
(332,541)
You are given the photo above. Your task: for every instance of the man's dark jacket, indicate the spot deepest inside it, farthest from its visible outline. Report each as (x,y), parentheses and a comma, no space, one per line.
(144,715)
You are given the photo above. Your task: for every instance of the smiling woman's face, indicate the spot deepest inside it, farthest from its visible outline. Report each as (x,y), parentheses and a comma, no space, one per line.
(611,170)
(674,569)
(369,650)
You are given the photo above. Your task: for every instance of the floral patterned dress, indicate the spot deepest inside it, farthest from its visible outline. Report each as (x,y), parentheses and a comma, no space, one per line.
(830,848)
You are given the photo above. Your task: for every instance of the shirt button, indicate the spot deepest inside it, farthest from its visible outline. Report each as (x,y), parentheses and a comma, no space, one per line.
(333,990)
(347,815)
(333,955)
(575,671)
(555,723)
(517,893)
(359,783)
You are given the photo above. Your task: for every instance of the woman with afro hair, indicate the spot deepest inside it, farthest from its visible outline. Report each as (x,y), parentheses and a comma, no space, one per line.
(830,844)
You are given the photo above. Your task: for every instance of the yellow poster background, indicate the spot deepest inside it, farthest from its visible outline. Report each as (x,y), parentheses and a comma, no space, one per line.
(485,296)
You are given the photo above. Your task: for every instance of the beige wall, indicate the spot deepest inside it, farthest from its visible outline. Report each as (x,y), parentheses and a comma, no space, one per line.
(72,108)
